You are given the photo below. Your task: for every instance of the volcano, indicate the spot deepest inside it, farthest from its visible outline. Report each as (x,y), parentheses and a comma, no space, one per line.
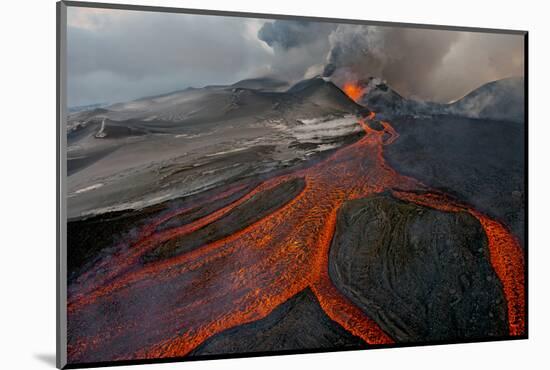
(254,217)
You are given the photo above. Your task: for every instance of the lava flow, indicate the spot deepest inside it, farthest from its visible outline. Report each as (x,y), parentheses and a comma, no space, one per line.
(123,309)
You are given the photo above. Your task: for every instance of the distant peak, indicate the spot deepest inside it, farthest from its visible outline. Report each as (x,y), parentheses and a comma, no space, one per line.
(260,83)
(309,83)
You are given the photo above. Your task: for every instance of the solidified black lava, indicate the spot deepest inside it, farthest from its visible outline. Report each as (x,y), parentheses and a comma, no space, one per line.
(89,237)
(202,210)
(375,125)
(257,207)
(480,162)
(420,273)
(297,324)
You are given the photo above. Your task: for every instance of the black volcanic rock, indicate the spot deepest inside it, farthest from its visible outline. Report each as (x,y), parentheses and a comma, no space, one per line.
(91,237)
(480,162)
(421,274)
(258,206)
(297,324)
(375,125)
(381,97)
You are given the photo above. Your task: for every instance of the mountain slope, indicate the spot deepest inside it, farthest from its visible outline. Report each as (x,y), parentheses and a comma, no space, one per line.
(262,83)
(323,93)
(133,154)
(497,100)
(191,110)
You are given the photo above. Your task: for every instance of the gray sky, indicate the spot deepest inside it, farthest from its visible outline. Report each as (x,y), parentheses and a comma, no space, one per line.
(116,55)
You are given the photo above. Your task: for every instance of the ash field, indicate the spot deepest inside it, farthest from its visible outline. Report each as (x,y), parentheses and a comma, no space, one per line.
(263,216)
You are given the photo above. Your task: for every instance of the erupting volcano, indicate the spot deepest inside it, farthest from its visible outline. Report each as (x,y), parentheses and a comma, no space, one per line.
(359,187)
(180,282)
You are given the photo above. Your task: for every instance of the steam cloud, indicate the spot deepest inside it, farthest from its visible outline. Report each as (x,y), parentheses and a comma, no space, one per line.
(117,56)
(289,34)
(299,48)
(420,63)
(426,64)
(406,58)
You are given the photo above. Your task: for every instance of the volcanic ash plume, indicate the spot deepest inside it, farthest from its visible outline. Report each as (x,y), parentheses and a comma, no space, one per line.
(406,58)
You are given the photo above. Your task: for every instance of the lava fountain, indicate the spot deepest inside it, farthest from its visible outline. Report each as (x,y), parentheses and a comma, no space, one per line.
(354,90)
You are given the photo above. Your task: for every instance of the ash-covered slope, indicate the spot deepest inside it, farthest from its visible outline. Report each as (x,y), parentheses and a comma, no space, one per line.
(130,155)
(501,100)
(498,100)
(324,94)
(242,102)
(383,99)
(192,106)
(262,83)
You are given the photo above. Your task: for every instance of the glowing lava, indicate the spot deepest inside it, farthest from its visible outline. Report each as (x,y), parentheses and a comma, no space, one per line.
(122,309)
(354,91)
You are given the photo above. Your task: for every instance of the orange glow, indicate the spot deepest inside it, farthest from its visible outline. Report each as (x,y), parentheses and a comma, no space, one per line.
(354,91)
(243,277)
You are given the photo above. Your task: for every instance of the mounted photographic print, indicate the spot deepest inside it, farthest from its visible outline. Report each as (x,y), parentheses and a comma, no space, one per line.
(234,184)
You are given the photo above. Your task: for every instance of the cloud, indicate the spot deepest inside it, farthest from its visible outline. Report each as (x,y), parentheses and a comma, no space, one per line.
(435,65)
(292,34)
(119,55)
(404,57)
(475,59)
(116,55)
(298,46)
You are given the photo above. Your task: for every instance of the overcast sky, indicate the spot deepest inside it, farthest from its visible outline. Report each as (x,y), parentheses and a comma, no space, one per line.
(116,55)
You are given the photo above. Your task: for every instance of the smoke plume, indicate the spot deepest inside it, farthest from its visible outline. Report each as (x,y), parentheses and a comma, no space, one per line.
(424,64)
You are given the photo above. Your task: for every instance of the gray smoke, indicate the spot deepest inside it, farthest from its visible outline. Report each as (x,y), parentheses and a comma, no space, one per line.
(116,55)
(291,34)
(406,58)
(424,64)
(299,47)
(119,55)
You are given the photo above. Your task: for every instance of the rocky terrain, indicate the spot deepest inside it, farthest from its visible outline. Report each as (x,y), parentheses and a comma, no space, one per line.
(501,100)
(263,216)
(257,207)
(296,325)
(422,274)
(473,148)
(479,162)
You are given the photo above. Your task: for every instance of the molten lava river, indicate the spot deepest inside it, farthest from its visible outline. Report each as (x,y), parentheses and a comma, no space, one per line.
(125,309)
